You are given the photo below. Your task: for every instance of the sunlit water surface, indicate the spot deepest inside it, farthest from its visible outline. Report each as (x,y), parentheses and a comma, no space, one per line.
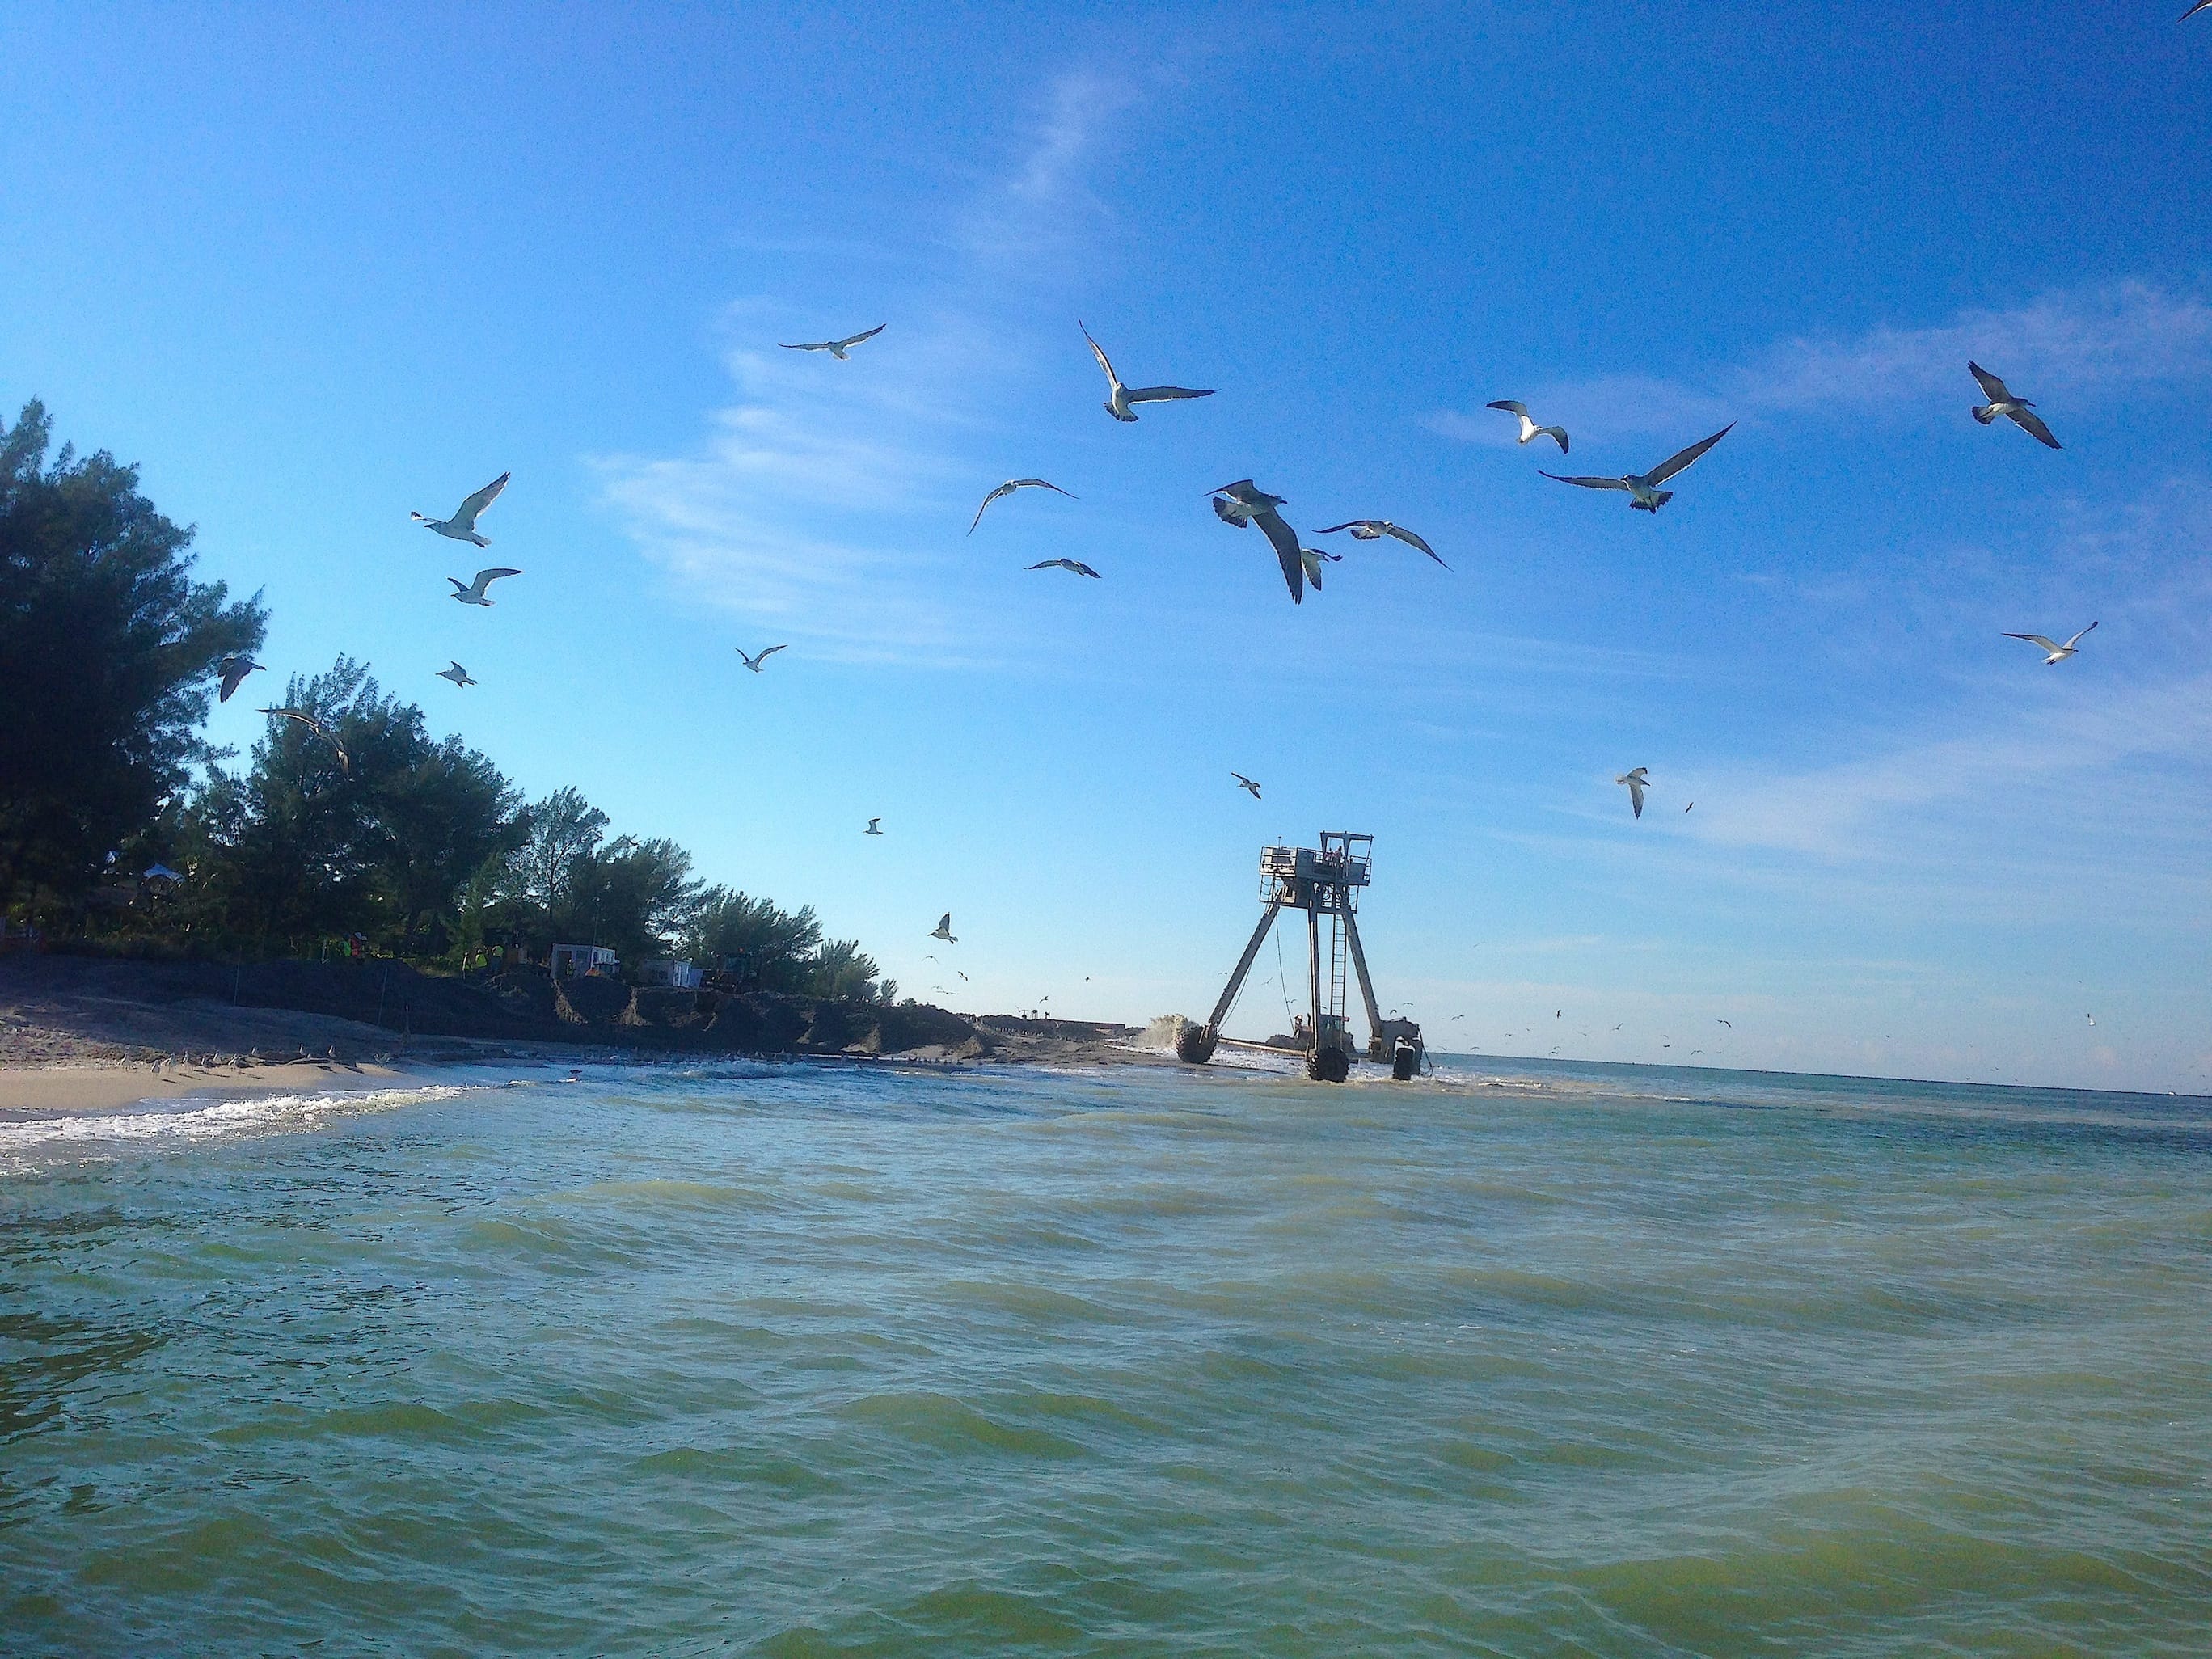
(835,1360)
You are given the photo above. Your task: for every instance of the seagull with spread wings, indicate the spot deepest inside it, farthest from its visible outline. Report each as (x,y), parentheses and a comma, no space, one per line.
(2058,653)
(1309,559)
(1645,494)
(754,663)
(1076,565)
(462,527)
(2020,412)
(315,728)
(1008,488)
(837,349)
(943,929)
(1244,503)
(1638,782)
(1119,397)
(1529,427)
(458,675)
(875,827)
(1369,529)
(473,592)
(233,670)
(1246,784)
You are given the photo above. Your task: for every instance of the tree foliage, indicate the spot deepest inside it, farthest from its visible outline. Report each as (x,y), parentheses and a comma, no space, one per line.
(107,653)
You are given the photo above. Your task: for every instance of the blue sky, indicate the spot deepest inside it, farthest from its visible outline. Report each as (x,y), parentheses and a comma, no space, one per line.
(313,272)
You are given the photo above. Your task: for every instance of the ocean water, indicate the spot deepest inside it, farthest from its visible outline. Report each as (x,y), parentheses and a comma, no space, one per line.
(1529,1359)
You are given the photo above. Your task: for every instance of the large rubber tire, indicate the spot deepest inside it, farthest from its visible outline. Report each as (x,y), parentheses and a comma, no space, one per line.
(1329,1066)
(1194,1045)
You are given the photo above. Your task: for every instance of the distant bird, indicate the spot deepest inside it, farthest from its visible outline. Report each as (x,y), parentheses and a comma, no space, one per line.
(473,592)
(754,663)
(837,349)
(943,929)
(1247,785)
(462,527)
(2091,1019)
(458,675)
(2019,410)
(1638,782)
(1687,808)
(1368,530)
(2058,653)
(1248,504)
(1119,397)
(1529,427)
(875,827)
(315,728)
(1008,488)
(1310,560)
(235,669)
(1729,1024)
(1076,565)
(1643,488)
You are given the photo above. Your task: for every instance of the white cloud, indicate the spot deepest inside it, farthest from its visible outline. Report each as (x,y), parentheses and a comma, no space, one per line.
(2071,341)
(811,502)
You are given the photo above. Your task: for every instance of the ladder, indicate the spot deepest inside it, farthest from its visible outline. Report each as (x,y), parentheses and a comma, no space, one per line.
(1338,955)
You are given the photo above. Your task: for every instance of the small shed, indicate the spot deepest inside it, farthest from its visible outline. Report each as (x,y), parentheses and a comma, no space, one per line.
(671,971)
(581,962)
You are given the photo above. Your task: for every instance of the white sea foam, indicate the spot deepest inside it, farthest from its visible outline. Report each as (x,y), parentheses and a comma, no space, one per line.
(27,1143)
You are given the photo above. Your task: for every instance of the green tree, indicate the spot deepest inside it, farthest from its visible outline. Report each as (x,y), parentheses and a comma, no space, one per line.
(108,652)
(385,842)
(771,945)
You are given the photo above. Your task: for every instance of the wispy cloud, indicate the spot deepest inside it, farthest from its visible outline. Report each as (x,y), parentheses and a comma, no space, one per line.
(803,506)
(1040,200)
(2071,341)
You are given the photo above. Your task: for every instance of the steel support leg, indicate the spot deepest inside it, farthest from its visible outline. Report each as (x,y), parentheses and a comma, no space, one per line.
(1243,967)
(1313,975)
(1366,985)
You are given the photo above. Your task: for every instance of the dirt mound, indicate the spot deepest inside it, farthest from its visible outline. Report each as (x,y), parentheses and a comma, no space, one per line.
(175,1005)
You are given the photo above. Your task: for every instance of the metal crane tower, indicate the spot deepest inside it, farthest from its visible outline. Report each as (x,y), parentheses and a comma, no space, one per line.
(1324,882)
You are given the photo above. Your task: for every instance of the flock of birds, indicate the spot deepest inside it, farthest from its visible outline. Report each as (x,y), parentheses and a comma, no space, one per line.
(1240,505)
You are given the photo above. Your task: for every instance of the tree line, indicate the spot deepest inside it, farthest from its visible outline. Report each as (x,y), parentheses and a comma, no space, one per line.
(417,846)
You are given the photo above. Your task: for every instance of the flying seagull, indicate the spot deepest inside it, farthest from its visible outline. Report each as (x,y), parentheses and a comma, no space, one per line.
(1008,488)
(754,663)
(1248,504)
(473,593)
(1119,397)
(315,728)
(1310,560)
(943,929)
(1529,427)
(458,675)
(1076,565)
(462,527)
(235,669)
(837,347)
(1243,782)
(2019,410)
(2058,653)
(1729,1024)
(1368,530)
(1638,782)
(1643,488)
(875,827)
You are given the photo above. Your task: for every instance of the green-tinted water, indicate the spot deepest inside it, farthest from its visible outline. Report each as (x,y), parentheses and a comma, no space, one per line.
(831,1361)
